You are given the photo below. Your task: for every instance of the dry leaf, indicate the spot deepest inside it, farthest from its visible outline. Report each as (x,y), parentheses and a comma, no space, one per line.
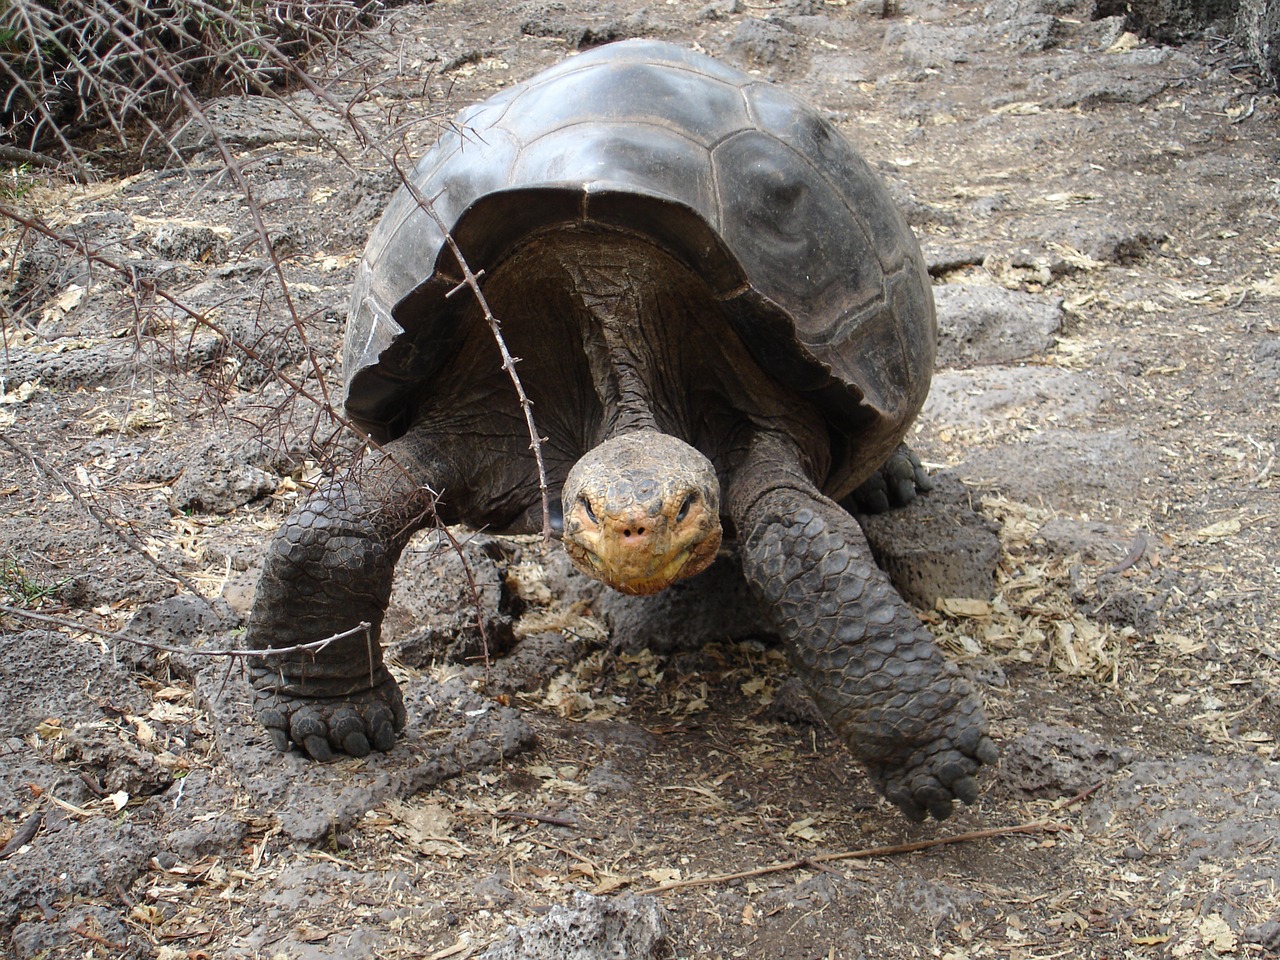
(1124,43)
(662,875)
(963,607)
(1219,531)
(610,884)
(426,828)
(63,303)
(804,830)
(1217,933)
(20,394)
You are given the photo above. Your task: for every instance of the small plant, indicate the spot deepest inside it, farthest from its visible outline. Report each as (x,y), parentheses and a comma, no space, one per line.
(16,182)
(19,589)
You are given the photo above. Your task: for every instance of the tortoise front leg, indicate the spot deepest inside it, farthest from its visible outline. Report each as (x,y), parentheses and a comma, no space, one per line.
(873,669)
(329,568)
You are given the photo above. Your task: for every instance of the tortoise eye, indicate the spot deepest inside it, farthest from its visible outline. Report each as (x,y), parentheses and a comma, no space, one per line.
(684,507)
(586,505)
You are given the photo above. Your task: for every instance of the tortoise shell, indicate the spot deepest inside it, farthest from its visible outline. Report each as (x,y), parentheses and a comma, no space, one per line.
(794,234)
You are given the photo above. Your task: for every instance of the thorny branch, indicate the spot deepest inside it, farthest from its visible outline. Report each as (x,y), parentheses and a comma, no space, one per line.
(157,62)
(313,646)
(471,280)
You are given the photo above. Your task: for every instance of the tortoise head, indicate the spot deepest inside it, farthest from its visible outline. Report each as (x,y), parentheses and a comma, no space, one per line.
(642,511)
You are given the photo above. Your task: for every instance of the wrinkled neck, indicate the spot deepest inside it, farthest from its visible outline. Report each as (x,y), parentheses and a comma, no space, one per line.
(624,287)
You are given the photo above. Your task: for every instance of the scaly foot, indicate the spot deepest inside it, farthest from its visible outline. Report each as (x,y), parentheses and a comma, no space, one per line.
(324,727)
(898,481)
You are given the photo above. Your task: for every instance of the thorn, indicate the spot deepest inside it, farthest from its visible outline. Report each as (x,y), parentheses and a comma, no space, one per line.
(465,283)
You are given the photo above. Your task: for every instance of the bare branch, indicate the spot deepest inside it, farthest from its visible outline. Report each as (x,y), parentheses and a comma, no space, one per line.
(870,853)
(314,646)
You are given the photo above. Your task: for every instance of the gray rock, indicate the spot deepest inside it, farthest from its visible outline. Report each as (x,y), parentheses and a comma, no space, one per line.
(74,691)
(106,363)
(1052,761)
(1106,240)
(1002,10)
(192,843)
(763,43)
(608,779)
(1029,396)
(534,660)
(73,861)
(217,479)
(494,888)
(1063,468)
(589,928)
(1032,34)
(720,10)
(936,546)
(1266,935)
(451,729)
(1258,26)
(981,324)
(929,47)
(442,596)
(1091,539)
(255,121)
(179,620)
(41,939)
(182,240)
(1095,87)
(942,257)
(578,31)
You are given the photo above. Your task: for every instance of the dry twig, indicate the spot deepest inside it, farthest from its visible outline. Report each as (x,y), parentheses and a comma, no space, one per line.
(314,645)
(22,836)
(1038,826)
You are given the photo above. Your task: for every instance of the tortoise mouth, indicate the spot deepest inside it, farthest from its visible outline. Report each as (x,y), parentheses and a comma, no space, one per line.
(641,512)
(654,574)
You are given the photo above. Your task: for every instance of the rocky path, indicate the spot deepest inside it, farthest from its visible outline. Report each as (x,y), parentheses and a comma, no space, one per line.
(1102,218)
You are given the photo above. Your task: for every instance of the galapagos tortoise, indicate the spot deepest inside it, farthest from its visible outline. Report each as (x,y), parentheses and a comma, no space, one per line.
(722,319)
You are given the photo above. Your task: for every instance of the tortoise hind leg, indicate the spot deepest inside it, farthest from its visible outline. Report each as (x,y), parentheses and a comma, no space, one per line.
(873,669)
(899,480)
(329,568)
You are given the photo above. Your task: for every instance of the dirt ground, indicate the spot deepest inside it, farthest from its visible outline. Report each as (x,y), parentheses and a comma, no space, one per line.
(1102,219)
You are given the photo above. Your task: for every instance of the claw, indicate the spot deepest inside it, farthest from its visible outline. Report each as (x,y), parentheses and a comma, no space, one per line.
(324,727)
(966,789)
(279,738)
(901,798)
(317,748)
(356,745)
(941,809)
(987,751)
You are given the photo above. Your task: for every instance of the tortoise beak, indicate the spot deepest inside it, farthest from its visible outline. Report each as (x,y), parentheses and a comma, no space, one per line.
(639,554)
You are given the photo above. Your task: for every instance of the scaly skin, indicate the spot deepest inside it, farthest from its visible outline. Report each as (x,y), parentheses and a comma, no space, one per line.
(872,668)
(328,569)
